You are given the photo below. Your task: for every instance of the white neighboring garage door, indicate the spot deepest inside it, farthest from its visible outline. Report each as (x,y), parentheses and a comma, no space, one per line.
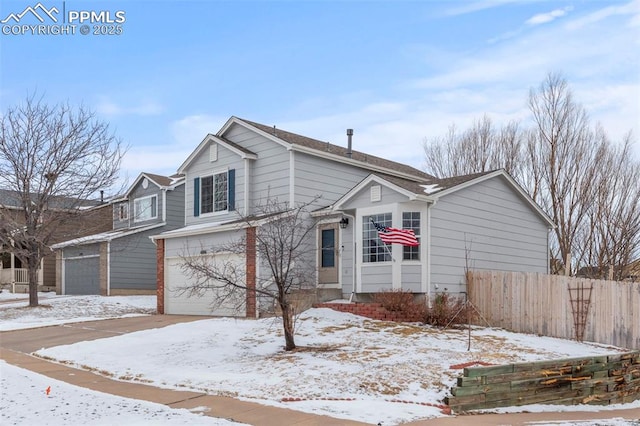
(180,303)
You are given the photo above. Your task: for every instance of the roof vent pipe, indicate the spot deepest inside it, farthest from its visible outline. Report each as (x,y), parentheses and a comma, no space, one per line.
(349,136)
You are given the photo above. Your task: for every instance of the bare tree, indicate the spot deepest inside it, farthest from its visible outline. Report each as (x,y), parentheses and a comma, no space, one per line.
(285,248)
(613,230)
(586,184)
(52,160)
(481,148)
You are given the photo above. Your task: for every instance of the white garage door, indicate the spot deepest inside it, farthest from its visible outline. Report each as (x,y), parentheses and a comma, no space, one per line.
(179,302)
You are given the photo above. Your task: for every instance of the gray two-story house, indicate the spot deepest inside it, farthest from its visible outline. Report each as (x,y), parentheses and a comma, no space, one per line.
(122,260)
(483,221)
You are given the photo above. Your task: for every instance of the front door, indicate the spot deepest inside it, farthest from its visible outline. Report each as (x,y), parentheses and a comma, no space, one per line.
(328,261)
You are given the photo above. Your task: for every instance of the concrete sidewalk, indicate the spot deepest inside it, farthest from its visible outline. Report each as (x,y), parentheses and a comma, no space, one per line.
(15,347)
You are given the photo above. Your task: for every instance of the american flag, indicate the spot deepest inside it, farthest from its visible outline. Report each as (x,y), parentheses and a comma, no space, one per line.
(406,237)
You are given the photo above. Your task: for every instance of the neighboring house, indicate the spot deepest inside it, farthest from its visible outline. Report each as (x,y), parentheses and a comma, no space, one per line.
(123,260)
(94,217)
(482,221)
(629,272)
(632,272)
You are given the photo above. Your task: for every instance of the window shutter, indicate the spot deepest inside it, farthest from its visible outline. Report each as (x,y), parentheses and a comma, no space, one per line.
(196,197)
(231,195)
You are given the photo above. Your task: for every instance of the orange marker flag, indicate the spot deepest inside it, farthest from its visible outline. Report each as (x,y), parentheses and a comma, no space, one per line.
(48,391)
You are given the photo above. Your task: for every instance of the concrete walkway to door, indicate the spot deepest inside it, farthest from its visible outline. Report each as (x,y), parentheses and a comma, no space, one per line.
(15,347)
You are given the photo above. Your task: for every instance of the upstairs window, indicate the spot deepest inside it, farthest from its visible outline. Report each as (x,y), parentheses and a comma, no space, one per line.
(145,208)
(123,211)
(373,249)
(214,193)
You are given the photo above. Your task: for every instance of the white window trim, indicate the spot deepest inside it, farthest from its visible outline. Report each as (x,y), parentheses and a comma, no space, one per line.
(361,236)
(219,212)
(135,213)
(123,206)
(418,237)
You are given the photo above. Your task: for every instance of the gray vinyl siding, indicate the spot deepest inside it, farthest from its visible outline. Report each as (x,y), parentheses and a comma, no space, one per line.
(139,192)
(316,176)
(270,172)
(133,262)
(202,166)
(376,278)
(387,196)
(122,224)
(347,260)
(175,208)
(412,278)
(486,226)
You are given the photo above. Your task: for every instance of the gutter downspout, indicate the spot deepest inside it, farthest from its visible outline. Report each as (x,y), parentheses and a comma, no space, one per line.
(429,291)
(355,259)
(109,268)
(164,204)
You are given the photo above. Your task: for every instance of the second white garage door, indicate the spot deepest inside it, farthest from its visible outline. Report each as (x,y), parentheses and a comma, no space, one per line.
(180,303)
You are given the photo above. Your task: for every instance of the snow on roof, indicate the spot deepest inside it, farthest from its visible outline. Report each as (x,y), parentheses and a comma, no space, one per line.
(430,189)
(104,236)
(200,228)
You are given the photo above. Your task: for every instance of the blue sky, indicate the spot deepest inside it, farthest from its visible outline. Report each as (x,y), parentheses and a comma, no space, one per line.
(396,72)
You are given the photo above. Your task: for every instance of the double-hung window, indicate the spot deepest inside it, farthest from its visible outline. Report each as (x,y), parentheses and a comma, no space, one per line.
(411,220)
(373,249)
(214,193)
(123,211)
(145,208)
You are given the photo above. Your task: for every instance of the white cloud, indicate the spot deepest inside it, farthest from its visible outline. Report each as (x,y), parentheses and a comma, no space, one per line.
(632,9)
(463,8)
(186,133)
(110,108)
(600,62)
(192,129)
(543,18)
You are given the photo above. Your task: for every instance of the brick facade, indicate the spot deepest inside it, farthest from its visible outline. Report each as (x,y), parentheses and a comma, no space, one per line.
(160,275)
(251,272)
(371,310)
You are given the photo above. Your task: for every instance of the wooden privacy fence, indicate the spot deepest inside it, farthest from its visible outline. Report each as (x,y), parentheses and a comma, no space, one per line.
(554,305)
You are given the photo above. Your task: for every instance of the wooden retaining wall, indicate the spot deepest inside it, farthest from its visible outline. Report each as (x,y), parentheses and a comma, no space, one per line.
(595,380)
(542,304)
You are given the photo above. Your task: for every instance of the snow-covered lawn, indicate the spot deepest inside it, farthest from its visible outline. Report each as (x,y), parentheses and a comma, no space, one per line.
(24,401)
(346,366)
(23,397)
(15,313)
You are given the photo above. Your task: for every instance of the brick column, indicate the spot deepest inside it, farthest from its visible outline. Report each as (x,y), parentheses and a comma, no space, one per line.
(251,272)
(160,275)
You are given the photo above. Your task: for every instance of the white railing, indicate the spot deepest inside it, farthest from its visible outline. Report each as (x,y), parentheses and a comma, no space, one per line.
(14,276)
(21,276)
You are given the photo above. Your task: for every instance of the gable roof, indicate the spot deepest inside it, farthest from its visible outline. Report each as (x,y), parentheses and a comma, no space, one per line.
(105,236)
(232,146)
(296,142)
(11,199)
(431,190)
(162,182)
